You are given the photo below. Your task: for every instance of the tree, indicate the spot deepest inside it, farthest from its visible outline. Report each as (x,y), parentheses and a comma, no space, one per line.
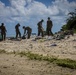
(71,21)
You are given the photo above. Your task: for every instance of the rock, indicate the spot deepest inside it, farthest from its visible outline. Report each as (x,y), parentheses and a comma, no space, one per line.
(54,45)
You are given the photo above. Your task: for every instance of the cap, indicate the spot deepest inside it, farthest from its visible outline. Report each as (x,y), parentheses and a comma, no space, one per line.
(23,26)
(18,24)
(2,23)
(42,20)
(48,17)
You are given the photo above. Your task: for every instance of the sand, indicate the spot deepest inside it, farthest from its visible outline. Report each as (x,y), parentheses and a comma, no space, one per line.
(16,65)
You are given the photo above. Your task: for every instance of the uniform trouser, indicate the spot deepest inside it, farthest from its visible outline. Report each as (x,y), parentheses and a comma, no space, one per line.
(40,32)
(3,36)
(28,35)
(18,33)
(49,32)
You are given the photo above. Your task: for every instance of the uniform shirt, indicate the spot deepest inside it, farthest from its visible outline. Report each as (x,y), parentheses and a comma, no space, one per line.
(28,29)
(49,24)
(39,25)
(3,29)
(17,28)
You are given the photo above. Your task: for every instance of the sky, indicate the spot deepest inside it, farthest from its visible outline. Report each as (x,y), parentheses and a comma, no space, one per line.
(30,12)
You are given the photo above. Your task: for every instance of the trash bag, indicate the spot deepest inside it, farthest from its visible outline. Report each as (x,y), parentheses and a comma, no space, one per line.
(23,37)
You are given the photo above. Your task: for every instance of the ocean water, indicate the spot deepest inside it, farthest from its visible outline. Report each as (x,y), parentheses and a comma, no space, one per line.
(14,35)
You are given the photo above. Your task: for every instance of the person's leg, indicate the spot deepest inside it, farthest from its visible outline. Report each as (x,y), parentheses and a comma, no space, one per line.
(19,34)
(16,35)
(28,36)
(51,32)
(38,32)
(42,34)
(4,36)
(47,31)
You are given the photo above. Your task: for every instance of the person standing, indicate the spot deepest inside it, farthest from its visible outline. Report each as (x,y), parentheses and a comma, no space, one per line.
(29,30)
(40,28)
(49,27)
(17,31)
(3,31)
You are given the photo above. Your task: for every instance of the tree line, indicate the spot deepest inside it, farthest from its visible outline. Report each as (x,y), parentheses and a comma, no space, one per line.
(70,22)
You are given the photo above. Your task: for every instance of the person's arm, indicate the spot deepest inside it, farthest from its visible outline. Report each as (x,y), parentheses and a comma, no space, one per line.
(5,29)
(24,31)
(51,23)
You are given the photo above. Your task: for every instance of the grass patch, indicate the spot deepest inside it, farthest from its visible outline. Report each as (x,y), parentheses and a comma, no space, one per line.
(2,51)
(66,63)
(60,62)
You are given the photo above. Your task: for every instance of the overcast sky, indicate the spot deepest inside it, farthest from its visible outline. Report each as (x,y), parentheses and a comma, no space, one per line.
(30,12)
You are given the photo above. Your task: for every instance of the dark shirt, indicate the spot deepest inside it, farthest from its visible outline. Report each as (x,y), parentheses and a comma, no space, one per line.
(17,28)
(3,29)
(28,29)
(39,25)
(49,24)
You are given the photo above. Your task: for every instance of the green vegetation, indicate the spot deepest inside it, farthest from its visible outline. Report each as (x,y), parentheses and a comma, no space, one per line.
(66,63)
(60,62)
(71,22)
(2,51)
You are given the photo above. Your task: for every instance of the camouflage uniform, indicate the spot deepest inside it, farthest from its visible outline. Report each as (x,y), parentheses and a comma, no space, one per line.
(3,31)
(40,28)
(17,31)
(29,30)
(49,27)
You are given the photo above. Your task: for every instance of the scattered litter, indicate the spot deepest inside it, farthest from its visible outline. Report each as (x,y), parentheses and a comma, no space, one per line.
(74,46)
(74,40)
(38,37)
(14,39)
(23,37)
(49,38)
(54,44)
